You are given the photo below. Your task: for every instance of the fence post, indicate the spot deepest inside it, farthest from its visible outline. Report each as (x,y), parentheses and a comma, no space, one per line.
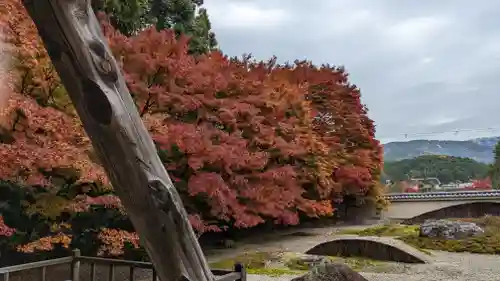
(238,267)
(75,265)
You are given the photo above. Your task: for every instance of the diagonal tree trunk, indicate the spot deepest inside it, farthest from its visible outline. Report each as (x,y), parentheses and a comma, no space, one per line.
(79,51)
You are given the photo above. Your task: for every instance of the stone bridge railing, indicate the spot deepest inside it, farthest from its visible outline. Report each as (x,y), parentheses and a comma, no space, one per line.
(443,196)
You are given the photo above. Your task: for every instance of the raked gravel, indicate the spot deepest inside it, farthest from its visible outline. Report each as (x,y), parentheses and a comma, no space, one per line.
(447,267)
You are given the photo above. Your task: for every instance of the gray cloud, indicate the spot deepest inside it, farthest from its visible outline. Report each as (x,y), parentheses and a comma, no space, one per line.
(423,66)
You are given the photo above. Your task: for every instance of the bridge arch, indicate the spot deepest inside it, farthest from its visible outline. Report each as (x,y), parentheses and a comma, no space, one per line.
(377,248)
(461,210)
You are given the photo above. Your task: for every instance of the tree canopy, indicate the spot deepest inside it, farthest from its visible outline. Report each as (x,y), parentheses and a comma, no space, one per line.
(245,141)
(446,168)
(494,171)
(186,17)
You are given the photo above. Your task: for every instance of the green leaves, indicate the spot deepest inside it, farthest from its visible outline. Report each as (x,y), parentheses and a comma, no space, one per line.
(128,16)
(494,170)
(185,17)
(446,168)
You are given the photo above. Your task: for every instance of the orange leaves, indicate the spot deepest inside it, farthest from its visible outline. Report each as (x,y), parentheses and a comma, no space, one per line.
(342,123)
(317,208)
(46,243)
(36,132)
(354,178)
(82,203)
(39,139)
(34,74)
(113,241)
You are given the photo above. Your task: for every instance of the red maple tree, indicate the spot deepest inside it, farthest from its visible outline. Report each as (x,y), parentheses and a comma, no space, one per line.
(233,130)
(481,184)
(244,141)
(41,138)
(342,122)
(36,137)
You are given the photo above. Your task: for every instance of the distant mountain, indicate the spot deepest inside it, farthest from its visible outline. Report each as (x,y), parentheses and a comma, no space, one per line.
(480,149)
(490,142)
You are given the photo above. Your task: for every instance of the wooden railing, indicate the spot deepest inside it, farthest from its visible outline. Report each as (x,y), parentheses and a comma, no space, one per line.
(238,274)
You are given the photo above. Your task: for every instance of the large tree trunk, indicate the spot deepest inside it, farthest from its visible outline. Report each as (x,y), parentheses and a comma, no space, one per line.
(79,51)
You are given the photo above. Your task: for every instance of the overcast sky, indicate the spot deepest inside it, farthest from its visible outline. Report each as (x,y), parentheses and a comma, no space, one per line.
(423,66)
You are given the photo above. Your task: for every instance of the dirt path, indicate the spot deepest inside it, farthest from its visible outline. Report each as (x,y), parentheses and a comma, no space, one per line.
(289,241)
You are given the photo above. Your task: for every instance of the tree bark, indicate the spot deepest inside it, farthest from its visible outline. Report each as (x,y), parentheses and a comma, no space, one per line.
(73,38)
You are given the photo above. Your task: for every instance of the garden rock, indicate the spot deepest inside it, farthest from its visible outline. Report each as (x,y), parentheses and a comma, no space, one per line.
(306,261)
(449,229)
(327,271)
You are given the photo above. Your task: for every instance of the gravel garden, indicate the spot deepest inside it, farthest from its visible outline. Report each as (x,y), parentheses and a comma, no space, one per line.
(461,249)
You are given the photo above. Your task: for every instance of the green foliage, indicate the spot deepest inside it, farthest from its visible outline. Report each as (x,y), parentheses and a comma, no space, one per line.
(181,16)
(128,16)
(203,39)
(356,263)
(445,168)
(478,245)
(186,17)
(494,171)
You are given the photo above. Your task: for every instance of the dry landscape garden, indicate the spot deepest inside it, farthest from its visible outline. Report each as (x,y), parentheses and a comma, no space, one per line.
(452,249)
(256,149)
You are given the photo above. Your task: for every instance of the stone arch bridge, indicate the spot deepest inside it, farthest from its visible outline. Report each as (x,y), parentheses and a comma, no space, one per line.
(417,207)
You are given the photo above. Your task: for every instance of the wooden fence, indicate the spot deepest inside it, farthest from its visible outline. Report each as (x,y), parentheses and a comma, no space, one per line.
(238,274)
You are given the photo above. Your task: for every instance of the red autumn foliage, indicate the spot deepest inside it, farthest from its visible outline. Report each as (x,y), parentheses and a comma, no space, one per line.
(243,141)
(482,184)
(240,129)
(5,230)
(35,136)
(113,241)
(409,188)
(341,120)
(35,75)
(46,243)
(38,139)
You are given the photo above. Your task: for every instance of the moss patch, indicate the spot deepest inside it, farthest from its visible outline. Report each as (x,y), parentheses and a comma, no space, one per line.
(479,244)
(385,230)
(287,263)
(249,260)
(360,264)
(274,272)
(262,263)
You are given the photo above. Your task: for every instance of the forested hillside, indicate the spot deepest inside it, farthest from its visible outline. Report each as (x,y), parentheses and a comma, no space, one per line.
(446,168)
(246,142)
(480,150)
